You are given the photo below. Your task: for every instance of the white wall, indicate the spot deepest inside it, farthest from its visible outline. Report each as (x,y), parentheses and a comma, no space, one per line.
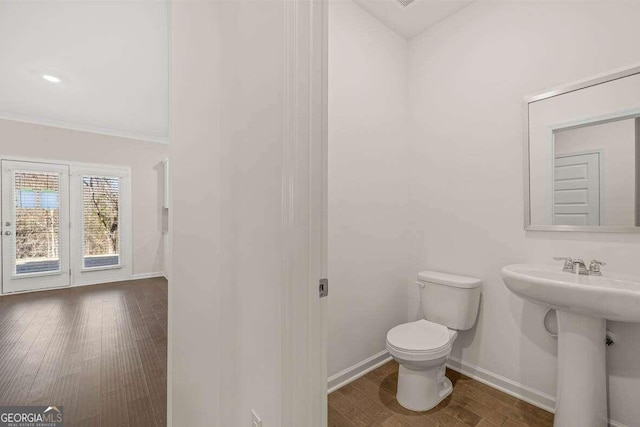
(368,184)
(195,336)
(252,136)
(145,159)
(467,77)
(228,209)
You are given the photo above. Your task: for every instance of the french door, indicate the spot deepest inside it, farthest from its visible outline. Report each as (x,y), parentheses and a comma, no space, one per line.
(35,226)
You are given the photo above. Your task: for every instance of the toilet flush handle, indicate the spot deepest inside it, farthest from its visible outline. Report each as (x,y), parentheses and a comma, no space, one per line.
(420,284)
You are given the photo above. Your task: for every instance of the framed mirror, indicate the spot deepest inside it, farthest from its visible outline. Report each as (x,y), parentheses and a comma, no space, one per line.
(582,156)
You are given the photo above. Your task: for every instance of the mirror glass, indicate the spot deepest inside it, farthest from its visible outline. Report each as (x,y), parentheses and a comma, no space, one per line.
(583,148)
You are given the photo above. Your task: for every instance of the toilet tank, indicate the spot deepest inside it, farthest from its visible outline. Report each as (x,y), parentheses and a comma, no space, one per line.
(450,300)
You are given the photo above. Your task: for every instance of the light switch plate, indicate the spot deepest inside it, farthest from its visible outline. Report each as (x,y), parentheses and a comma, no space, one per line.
(255,419)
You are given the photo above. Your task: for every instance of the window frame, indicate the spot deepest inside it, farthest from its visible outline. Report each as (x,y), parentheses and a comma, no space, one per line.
(82,275)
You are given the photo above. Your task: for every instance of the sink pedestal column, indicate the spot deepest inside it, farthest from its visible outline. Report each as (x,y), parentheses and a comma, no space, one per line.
(582,376)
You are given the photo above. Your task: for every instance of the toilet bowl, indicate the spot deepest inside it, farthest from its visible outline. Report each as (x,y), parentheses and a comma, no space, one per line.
(421,348)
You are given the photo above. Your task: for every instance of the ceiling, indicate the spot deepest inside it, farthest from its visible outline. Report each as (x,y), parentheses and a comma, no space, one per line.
(102,66)
(105,65)
(413,19)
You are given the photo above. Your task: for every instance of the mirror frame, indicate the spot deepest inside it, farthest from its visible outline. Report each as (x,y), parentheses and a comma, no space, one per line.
(571,87)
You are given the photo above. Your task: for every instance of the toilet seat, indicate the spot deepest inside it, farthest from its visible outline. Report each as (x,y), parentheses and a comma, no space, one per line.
(420,341)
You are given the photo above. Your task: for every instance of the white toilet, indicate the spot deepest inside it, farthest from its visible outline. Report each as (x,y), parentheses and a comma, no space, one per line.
(450,304)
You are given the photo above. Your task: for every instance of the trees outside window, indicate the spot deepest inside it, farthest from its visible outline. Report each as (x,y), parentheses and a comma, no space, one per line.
(101,216)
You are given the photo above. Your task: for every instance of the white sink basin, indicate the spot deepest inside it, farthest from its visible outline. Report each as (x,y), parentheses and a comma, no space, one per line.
(583,304)
(611,297)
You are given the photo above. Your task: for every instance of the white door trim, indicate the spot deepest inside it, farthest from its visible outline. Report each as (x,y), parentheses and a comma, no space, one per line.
(304,186)
(601,153)
(58,279)
(124,271)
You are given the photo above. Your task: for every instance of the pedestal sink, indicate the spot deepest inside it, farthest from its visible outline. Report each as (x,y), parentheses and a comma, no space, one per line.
(583,304)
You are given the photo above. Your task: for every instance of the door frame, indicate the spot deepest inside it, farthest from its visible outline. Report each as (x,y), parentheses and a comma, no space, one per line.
(303,228)
(90,276)
(601,153)
(304,185)
(64,219)
(96,276)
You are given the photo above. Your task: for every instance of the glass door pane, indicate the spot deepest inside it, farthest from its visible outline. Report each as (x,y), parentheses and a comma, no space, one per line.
(37,222)
(101,221)
(35,226)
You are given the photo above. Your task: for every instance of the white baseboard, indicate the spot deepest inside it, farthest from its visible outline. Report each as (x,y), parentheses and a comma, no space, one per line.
(356,371)
(530,395)
(96,282)
(521,391)
(139,276)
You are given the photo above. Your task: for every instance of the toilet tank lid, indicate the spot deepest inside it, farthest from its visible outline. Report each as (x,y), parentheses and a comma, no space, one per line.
(449,279)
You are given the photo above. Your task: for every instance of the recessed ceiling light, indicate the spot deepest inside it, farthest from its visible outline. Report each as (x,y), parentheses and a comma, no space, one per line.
(50,78)
(405,3)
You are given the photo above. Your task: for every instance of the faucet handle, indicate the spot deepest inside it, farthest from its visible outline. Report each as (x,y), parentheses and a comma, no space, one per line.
(568,262)
(594,267)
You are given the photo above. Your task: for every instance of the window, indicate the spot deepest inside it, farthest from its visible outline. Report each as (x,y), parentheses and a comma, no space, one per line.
(101,221)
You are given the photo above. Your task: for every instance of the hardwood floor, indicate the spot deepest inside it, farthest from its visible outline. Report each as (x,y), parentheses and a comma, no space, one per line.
(99,351)
(370,401)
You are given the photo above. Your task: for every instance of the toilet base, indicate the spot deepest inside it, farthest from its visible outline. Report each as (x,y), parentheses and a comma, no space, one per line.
(422,390)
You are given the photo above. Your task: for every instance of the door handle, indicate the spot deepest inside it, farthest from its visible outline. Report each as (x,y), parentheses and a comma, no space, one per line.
(7,233)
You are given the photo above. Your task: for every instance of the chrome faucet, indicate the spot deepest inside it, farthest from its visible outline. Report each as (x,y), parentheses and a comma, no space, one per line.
(578,266)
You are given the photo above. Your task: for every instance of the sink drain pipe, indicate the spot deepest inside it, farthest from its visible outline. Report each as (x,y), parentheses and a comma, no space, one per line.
(550,323)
